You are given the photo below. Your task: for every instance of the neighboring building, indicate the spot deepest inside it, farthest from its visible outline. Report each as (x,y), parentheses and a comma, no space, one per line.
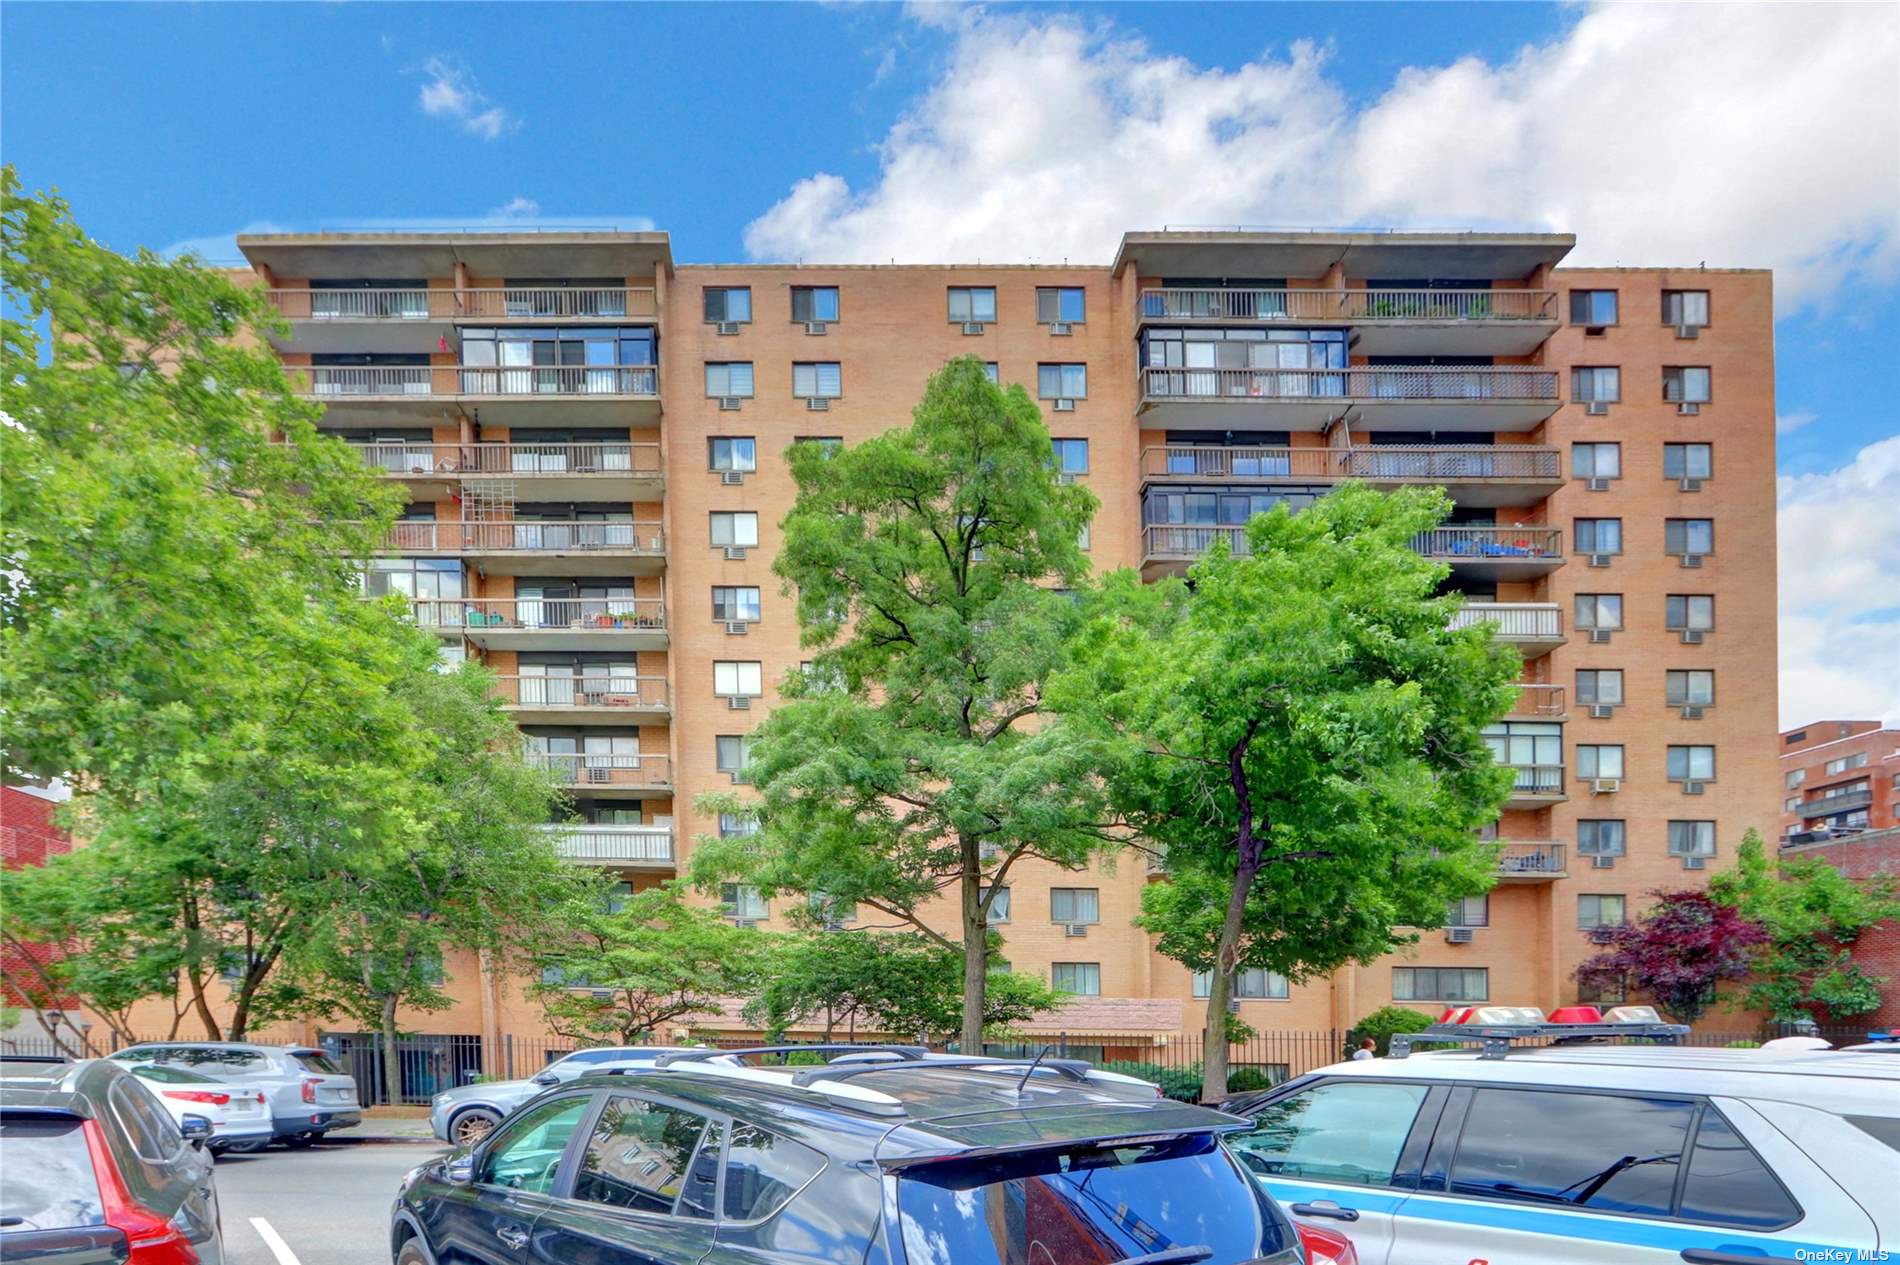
(592,438)
(28,836)
(1839,777)
(1863,855)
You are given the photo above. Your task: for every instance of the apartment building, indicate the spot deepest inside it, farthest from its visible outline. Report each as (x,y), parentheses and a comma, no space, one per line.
(592,433)
(1839,777)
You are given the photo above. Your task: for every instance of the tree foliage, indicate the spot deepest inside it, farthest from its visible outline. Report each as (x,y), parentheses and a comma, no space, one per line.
(1383,1024)
(916,762)
(1677,953)
(1297,729)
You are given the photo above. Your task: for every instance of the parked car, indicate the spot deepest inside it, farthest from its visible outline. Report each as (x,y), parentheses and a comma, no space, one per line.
(94,1172)
(910,1161)
(239,1111)
(465,1115)
(309,1095)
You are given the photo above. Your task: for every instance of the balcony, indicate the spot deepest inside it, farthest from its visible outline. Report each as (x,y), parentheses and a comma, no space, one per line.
(419,320)
(1531,863)
(522,547)
(1840,802)
(1485,552)
(1535,628)
(1540,702)
(540,472)
(547,623)
(614,776)
(608,395)
(621,847)
(1401,397)
(1536,785)
(1473,474)
(609,697)
(1386,322)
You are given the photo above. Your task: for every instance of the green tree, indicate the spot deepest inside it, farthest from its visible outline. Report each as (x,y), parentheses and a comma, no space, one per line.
(917,761)
(626,965)
(1813,914)
(1678,952)
(1297,730)
(1384,1023)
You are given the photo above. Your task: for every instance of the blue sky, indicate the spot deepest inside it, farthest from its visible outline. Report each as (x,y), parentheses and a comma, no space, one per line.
(858,131)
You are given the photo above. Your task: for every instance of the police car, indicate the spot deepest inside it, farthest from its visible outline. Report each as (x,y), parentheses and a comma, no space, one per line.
(1552,1139)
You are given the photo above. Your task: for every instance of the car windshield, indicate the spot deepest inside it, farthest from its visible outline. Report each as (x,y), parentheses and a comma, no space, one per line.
(1181,1200)
(168,1075)
(49,1183)
(316,1061)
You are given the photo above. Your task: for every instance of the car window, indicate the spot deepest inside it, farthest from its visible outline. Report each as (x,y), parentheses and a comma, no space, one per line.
(316,1061)
(699,1193)
(167,1075)
(1341,1131)
(638,1155)
(1881,1128)
(1615,1153)
(609,1055)
(148,1125)
(526,1153)
(49,1180)
(1728,1183)
(217,1061)
(763,1170)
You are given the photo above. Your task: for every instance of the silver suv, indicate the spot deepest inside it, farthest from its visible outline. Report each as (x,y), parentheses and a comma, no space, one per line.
(466,1114)
(309,1094)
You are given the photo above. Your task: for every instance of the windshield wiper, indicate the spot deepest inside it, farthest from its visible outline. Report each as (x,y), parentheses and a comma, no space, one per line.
(1170,1256)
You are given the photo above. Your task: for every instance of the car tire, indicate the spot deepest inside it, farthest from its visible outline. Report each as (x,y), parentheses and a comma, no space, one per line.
(468,1127)
(412,1254)
(300,1141)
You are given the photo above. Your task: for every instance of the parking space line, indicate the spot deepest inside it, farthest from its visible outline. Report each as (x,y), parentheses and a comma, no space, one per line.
(275,1242)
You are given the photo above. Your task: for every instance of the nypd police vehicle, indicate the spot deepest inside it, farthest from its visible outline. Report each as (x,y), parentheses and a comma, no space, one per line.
(1556,1139)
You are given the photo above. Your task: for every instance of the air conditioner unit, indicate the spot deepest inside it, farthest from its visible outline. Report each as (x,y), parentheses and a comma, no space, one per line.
(738,702)
(1605,785)
(1074,929)
(1602,712)
(1691,713)
(732,478)
(817,403)
(745,924)
(1064,406)
(735,553)
(728,327)
(974,327)
(1061,328)
(1599,559)
(1597,408)
(1602,862)
(817,329)
(1689,485)
(1692,560)
(1693,788)
(1688,331)
(1688,410)
(1692,636)
(1599,636)
(729,404)
(1459,935)
(1694,863)
(1065,478)
(1597,485)
(1602,935)
(736,627)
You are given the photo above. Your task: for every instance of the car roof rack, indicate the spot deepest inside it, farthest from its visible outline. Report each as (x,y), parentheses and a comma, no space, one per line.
(908,1053)
(1069,1069)
(1495,1028)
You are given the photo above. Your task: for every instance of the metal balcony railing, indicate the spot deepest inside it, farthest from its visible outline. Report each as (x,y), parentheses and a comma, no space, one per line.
(1538,779)
(608,458)
(490,381)
(518,536)
(634,303)
(591,689)
(1424,463)
(1512,620)
(1540,700)
(1398,383)
(610,844)
(593,614)
(1486,542)
(1531,858)
(1169,540)
(1840,802)
(1241,304)
(587,769)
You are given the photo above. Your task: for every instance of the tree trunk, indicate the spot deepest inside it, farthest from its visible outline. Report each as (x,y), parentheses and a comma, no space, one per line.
(975,946)
(199,1004)
(1227,952)
(392,1057)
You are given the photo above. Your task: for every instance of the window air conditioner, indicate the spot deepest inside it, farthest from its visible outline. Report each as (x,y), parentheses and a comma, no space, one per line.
(735,553)
(1599,559)
(1064,406)
(1688,331)
(728,327)
(1065,478)
(1459,935)
(1602,712)
(1692,560)
(1602,935)
(1689,485)
(817,329)
(1603,862)
(817,403)
(1605,785)
(1687,409)
(728,403)
(738,702)
(1691,713)
(732,478)
(1598,485)
(745,924)
(1692,636)
(1597,408)
(1075,929)
(1694,863)
(736,627)
(1692,788)
(1061,328)
(974,327)
(1599,636)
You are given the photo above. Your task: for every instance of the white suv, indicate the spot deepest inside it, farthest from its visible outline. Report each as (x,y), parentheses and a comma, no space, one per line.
(309,1094)
(1588,1154)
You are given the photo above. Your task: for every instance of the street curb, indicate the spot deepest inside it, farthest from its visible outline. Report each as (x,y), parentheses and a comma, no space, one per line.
(382,1140)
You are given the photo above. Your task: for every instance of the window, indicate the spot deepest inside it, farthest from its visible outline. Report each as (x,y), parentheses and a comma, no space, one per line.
(1593,308)
(737,677)
(1062,382)
(1690,687)
(639,1157)
(1691,838)
(1599,911)
(1688,536)
(830,912)
(1472,911)
(726,378)
(1596,461)
(989,370)
(734,529)
(731,753)
(1599,535)
(1084,979)
(1791,804)
(1082,538)
(735,603)
(1440,983)
(821,380)
(1600,687)
(1599,611)
(737,825)
(1340,1131)
(50,1181)
(1795,778)
(1689,612)
(742,900)
(1691,763)
(528,1153)
(1253,984)
(814,303)
(1600,837)
(1686,384)
(1060,303)
(1599,760)
(972,303)
(1074,904)
(1728,1183)
(763,1171)
(1846,762)
(999,907)
(1688,461)
(147,1125)
(1617,1153)
(1071,456)
(1526,745)
(1685,307)
(728,303)
(1596,384)
(1601,994)
(732,452)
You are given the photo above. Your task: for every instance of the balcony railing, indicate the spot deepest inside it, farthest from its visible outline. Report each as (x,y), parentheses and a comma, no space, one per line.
(1537,779)
(1169,540)
(1531,859)
(634,772)
(1224,304)
(603,614)
(1395,384)
(380,381)
(517,536)
(592,689)
(1424,463)
(637,303)
(1513,620)
(1842,802)
(1540,700)
(1487,543)
(511,458)
(608,844)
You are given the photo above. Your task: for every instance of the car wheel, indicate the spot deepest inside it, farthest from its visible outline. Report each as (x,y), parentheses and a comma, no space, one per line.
(412,1254)
(298,1141)
(472,1126)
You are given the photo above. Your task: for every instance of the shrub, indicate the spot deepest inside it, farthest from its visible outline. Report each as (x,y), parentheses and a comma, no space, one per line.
(1181,1084)
(1244,1080)
(1381,1024)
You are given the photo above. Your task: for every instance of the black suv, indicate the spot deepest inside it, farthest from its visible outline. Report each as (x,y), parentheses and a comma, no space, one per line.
(907,1159)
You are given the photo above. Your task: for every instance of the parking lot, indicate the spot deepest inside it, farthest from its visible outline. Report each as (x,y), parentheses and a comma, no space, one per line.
(325,1206)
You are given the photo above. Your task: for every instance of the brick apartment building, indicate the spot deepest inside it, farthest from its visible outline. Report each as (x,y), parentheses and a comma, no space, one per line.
(591,435)
(28,836)
(1839,777)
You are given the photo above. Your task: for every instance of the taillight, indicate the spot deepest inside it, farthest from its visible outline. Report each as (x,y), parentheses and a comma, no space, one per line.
(1326,1247)
(310,1091)
(154,1240)
(198,1095)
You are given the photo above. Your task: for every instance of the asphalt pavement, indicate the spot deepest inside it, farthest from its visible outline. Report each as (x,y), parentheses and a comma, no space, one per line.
(328,1205)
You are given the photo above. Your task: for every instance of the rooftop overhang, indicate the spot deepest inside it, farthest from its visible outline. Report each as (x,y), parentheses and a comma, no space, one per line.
(1219,253)
(554,254)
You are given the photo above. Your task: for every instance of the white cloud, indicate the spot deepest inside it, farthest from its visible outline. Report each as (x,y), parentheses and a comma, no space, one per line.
(517,208)
(221,248)
(1840,589)
(449,92)
(1660,134)
(1789,423)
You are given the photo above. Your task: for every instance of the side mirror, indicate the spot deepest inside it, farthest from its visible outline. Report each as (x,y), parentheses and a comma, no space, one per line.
(197,1130)
(544,1078)
(459,1171)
